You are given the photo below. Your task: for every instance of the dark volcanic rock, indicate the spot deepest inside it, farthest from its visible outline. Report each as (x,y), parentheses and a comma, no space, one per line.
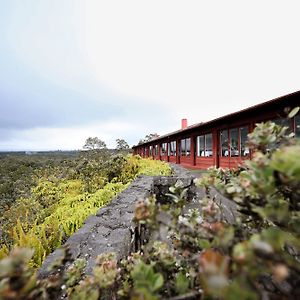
(113,229)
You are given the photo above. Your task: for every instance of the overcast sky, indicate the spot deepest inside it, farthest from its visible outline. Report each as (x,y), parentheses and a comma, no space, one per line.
(124,69)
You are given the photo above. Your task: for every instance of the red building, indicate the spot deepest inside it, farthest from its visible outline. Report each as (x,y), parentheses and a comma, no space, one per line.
(220,142)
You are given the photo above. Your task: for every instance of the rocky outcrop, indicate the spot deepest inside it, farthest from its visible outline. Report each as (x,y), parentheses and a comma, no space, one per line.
(113,228)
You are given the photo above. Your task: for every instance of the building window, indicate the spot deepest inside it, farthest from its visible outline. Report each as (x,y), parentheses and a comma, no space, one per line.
(156,150)
(297,126)
(243,140)
(163,149)
(186,147)
(234,142)
(224,143)
(200,145)
(204,145)
(172,148)
(237,145)
(182,147)
(208,145)
(150,151)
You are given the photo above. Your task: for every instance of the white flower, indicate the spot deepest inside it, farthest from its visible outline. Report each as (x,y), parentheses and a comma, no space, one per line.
(184,221)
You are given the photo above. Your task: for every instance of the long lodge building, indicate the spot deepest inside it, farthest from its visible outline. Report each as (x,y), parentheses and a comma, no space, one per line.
(220,142)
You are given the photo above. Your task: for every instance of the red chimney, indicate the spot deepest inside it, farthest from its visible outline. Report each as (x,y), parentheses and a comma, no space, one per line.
(184,123)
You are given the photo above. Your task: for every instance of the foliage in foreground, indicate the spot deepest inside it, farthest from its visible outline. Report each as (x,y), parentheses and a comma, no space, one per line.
(193,254)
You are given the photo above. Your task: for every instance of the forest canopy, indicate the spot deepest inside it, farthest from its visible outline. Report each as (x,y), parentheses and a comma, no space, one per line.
(45,198)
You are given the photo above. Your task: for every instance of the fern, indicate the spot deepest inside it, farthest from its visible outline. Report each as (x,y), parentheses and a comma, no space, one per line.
(66,207)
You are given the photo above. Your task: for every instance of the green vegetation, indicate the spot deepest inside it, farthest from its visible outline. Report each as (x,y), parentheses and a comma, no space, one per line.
(195,254)
(94,143)
(121,145)
(148,138)
(61,195)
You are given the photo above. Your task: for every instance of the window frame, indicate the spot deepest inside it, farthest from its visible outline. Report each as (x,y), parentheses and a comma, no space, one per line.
(172,148)
(202,150)
(241,144)
(183,147)
(163,149)
(226,142)
(234,150)
(151,150)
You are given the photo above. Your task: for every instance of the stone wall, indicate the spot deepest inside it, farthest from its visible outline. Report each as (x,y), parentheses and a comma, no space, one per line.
(113,229)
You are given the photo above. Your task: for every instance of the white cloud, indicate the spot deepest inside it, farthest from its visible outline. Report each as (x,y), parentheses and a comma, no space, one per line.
(71,138)
(203,59)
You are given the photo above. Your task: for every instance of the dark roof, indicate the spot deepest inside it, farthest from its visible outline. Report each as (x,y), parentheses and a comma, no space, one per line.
(274,102)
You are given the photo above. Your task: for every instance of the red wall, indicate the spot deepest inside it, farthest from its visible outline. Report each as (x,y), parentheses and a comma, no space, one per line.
(204,162)
(164,158)
(172,159)
(186,160)
(263,112)
(231,162)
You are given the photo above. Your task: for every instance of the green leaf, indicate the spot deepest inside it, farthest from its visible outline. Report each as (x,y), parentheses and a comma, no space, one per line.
(293,112)
(238,289)
(181,283)
(230,190)
(172,189)
(204,244)
(275,237)
(145,278)
(158,282)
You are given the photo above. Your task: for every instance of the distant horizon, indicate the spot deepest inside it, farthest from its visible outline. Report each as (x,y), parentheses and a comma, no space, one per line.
(41,150)
(52,150)
(111,148)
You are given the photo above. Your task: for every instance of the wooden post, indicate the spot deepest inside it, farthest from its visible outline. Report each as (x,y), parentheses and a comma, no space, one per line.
(193,150)
(177,151)
(216,147)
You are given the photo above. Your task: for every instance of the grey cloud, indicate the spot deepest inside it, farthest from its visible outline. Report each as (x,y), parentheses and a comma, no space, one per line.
(53,107)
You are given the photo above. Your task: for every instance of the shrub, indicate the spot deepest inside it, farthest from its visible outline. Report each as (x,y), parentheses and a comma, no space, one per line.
(59,206)
(201,255)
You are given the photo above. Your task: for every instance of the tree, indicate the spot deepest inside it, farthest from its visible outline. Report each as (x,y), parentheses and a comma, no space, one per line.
(122,144)
(148,138)
(94,143)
